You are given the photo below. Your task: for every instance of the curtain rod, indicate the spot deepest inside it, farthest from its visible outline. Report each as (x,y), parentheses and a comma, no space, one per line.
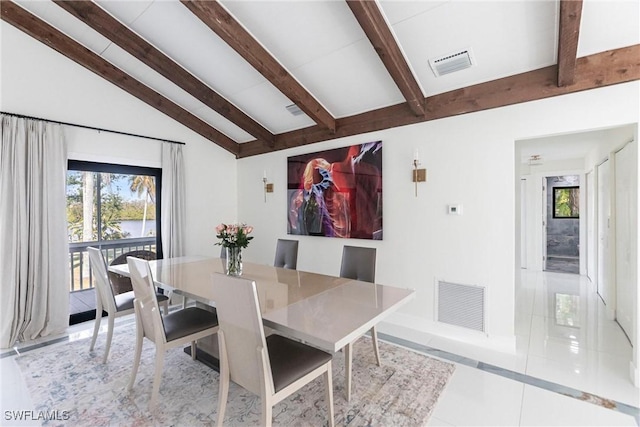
(91,127)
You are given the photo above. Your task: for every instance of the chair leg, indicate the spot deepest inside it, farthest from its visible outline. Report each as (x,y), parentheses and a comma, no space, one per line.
(165,306)
(193,350)
(267,411)
(347,369)
(223,393)
(111,321)
(96,326)
(328,383)
(157,378)
(136,359)
(374,338)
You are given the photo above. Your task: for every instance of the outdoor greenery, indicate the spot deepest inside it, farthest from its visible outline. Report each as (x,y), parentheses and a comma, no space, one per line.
(134,210)
(566,202)
(81,211)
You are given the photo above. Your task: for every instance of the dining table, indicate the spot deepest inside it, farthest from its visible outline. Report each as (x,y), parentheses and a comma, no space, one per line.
(324,311)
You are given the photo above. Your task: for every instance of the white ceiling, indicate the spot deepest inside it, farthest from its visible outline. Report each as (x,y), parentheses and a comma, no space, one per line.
(321,44)
(571,146)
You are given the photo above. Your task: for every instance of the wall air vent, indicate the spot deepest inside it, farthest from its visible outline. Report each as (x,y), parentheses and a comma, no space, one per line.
(294,110)
(461,305)
(452,62)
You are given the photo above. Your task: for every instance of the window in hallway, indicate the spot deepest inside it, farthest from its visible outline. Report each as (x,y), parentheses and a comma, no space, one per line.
(566,202)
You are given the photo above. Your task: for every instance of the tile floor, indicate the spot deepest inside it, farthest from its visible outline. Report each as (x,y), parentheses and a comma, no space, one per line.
(563,264)
(565,346)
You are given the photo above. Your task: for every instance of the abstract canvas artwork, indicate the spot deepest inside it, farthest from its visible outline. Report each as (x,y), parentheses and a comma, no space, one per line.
(336,193)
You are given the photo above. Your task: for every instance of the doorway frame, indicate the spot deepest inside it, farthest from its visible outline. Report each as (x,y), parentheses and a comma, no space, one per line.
(582,224)
(535,226)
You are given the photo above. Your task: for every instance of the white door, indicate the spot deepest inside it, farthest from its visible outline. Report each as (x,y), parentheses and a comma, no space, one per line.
(604,216)
(523,223)
(626,229)
(544,224)
(591,227)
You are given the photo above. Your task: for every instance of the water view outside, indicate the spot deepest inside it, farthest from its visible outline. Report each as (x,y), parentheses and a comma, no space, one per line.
(106,209)
(134,228)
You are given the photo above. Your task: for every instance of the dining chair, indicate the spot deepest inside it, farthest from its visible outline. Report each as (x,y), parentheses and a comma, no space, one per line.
(286,254)
(174,330)
(223,255)
(120,283)
(358,263)
(115,305)
(273,367)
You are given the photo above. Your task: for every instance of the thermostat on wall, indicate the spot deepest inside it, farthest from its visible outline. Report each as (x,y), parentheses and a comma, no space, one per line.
(455,209)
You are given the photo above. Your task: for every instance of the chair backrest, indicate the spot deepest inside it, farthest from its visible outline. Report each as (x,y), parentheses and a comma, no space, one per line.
(121,283)
(101,280)
(141,254)
(240,321)
(146,302)
(286,254)
(358,263)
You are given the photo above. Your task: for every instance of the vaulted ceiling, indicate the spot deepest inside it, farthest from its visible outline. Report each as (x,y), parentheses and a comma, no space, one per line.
(232,70)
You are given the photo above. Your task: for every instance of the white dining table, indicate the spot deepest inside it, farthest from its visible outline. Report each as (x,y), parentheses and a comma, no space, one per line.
(325,311)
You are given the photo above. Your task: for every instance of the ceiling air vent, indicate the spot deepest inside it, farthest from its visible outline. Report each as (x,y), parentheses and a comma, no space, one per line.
(294,110)
(452,62)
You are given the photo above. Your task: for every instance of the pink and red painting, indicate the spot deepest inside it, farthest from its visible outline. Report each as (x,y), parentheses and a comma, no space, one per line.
(336,193)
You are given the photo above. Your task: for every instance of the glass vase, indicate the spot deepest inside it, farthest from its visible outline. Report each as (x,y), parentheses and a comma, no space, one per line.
(234,261)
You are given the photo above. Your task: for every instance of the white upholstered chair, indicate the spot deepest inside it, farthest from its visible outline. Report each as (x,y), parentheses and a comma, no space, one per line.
(115,305)
(176,329)
(273,367)
(359,264)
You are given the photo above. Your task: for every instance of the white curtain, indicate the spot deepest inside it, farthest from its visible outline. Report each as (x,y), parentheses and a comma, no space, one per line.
(34,263)
(173,201)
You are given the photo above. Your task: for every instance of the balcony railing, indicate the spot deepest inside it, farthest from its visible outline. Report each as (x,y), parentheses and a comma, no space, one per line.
(79,258)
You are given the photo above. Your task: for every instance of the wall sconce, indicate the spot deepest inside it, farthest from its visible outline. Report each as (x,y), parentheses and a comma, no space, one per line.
(267,187)
(419,175)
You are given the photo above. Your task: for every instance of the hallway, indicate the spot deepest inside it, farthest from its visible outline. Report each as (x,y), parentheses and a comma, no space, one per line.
(563,264)
(562,327)
(565,346)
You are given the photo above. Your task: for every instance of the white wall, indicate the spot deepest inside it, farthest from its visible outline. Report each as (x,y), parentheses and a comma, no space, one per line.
(470,159)
(37,81)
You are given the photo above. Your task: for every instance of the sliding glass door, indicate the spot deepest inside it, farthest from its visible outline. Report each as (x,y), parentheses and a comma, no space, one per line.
(114,207)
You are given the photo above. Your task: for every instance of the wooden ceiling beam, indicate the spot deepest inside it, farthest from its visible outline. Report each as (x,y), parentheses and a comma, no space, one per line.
(593,71)
(569,32)
(102,22)
(371,19)
(216,17)
(45,33)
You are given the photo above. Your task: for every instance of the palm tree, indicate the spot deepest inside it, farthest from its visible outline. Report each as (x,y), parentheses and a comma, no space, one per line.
(144,184)
(88,202)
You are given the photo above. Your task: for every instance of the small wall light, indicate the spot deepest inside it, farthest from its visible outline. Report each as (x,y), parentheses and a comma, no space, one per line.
(268,187)
(419,175)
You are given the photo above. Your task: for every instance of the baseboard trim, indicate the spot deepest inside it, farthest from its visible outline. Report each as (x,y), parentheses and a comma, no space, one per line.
(407,327)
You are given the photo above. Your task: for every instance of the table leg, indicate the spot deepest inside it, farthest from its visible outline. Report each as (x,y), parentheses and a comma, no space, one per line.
(347,369)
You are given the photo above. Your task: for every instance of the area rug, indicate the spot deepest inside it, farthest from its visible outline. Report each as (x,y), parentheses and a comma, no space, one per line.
(69,381)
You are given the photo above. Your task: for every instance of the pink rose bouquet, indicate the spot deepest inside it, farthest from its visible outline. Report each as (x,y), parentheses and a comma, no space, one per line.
(234,235)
